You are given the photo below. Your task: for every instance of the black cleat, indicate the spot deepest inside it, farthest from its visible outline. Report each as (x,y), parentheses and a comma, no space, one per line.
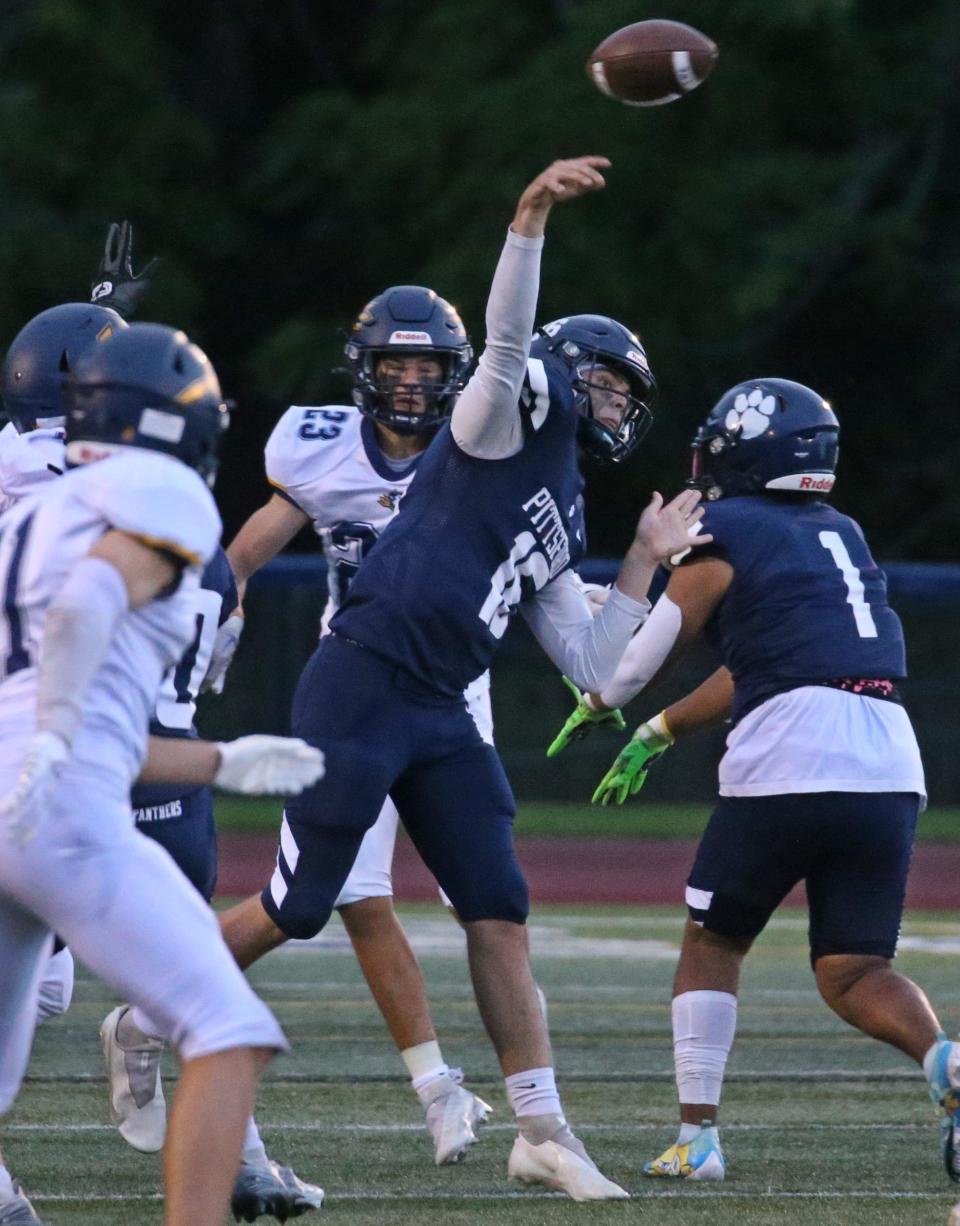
(270,1189)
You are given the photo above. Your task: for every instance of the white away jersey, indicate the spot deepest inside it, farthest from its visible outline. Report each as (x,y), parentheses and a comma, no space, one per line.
(327,462)
(28,461)
(153,498)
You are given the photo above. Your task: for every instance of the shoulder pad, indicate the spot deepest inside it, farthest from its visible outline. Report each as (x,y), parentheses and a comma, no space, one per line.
(541,391)
(310,441)
(156,499)
(28,461)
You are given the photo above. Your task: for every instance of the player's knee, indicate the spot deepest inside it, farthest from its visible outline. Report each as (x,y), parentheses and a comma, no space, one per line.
(505,898)
(839,974)
(231,1019)
(303,923)
(299,914)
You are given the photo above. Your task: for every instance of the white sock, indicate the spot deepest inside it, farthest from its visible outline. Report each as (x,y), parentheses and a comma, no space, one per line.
(253,1148)
(533,1092)
(56,986)
(423,1061)
(145,1023)
(687,1133)
(930,1057)
(6,1185)
(704,1024)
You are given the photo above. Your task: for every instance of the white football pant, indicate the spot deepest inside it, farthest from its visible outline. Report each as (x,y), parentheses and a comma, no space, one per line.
(129,915)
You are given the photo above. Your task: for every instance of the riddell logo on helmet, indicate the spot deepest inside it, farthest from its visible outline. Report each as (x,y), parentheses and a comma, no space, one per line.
(409,338)
(820,484)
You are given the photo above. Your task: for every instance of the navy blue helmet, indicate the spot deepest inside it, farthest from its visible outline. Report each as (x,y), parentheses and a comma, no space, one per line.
(147,387)
(766,434)
(44,353)
(585,345)
(402,321)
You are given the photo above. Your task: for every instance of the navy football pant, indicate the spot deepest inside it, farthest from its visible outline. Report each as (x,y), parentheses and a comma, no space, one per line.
(852,849)
(184,827)
(382,732)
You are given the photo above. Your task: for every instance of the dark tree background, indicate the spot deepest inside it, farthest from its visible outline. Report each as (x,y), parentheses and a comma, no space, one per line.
(796,216)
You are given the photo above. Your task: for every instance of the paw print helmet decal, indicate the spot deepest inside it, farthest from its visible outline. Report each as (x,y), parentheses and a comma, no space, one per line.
(766,434)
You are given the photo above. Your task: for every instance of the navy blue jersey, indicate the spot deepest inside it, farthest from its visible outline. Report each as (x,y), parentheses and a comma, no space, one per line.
(472,539)
(216,598)
(807,602)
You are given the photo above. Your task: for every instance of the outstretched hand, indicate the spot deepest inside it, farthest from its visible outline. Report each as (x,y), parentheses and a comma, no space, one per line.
(117,285)
(665,530)
(582,721)
(562,180)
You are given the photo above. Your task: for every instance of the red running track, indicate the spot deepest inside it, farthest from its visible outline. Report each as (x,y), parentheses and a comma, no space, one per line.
(568,870)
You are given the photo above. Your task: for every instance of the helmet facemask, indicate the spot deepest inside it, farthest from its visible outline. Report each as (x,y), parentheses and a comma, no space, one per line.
(404,322)
(387,399)
(599,401)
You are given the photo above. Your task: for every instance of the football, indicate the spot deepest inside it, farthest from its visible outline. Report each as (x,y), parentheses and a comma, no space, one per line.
(650,63)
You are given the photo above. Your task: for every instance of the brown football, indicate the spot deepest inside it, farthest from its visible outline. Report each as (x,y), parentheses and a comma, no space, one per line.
(652,62)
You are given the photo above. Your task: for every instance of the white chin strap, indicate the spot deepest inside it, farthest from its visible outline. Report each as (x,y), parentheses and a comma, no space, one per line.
(804,483)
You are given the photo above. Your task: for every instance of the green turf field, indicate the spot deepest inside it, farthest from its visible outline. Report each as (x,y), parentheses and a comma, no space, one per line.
(820,1125)
(645,820)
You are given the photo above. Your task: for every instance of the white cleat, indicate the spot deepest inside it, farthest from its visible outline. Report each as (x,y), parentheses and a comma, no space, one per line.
(562,1170)
(137,1104)
(453,1119)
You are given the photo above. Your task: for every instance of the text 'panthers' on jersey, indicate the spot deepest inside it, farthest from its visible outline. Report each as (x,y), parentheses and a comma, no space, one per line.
(28,461)
(473,538)
(807,602)
(152,498)
(327,462)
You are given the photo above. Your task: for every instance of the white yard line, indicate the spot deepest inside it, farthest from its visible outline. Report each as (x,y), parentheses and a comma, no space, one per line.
(333,1129)
(628,1076)
(641,1195)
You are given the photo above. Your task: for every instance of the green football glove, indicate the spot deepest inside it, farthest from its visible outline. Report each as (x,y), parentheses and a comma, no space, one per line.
(629,771)
(582,722)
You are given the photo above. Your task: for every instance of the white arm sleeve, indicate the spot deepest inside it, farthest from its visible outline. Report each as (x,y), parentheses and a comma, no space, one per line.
(77,633)
(645,653)
(486,420)
(583,645)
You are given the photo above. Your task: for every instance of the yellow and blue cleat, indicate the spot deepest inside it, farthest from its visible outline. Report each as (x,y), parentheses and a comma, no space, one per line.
(944,1083)
(699,1158)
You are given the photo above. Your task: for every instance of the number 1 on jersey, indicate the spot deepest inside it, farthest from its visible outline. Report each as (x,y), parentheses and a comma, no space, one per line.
(833,543)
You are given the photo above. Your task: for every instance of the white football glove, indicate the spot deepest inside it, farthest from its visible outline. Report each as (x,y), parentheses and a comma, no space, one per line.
(224,645)
(268,765)
(23,809)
